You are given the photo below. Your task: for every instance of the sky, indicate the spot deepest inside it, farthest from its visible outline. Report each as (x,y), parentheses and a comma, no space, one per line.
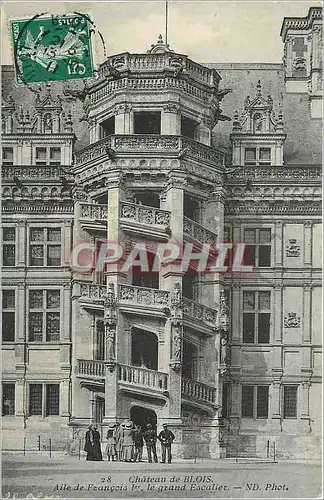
(207,31)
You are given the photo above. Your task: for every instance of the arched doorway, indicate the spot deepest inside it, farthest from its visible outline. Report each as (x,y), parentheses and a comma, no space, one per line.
(144,349)
(143,416)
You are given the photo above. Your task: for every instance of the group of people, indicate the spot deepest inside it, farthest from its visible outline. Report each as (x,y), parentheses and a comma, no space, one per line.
(125,442)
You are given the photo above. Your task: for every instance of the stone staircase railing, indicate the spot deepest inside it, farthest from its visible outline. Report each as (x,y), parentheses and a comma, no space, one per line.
(89,291)
(198,391)
(143,377)
(198,232)
(91,368)
(93,212)
(199,311)
(144,214)
(129,294)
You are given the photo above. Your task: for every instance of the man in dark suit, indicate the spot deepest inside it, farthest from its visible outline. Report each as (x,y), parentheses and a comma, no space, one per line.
(166,437)
(150,440)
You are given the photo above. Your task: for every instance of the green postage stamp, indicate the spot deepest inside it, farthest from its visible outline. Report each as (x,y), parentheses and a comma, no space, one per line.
(56,48)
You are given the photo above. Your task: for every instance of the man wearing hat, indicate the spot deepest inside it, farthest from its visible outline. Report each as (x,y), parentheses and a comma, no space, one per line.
(166,437)
(150,440)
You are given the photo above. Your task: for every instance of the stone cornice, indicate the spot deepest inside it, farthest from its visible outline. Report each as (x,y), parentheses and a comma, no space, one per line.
(26,206)
(301,23)
(261,207)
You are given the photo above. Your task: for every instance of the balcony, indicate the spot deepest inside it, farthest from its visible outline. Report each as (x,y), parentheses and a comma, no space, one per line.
(198,394)
(93,217)
(198,315)
(151,146)
(90,296)
(131,379)
(137,299)
(144,220)
(197,233)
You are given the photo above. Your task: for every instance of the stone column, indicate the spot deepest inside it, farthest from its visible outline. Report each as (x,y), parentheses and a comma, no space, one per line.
(21,317)
(111,392)
(171,120)
(304,405)
(275,405)
(20,399)
(22,243)
(123,119)
(64,397)
(236,311)
(308,243)
(278,243)
(277,313)
(306,318)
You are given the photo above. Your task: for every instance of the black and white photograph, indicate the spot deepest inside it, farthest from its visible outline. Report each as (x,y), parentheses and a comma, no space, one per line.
(161,225)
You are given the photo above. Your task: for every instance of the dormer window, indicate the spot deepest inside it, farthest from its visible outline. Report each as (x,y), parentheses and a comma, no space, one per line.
(147,122)
(257,156)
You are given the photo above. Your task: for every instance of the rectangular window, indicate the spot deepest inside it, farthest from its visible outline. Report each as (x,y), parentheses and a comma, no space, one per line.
(35,399)
(147,122)
(7,156)
(257,156)
(8,315)
(44,315)
(256,317)
(44,399)
(255,401)
(257,247)
(48,156)
(45,247)
(247,401)
(8,399)
(8,246)
(55,156)
(262,401)
(41,156)
(290,401)
(52,399)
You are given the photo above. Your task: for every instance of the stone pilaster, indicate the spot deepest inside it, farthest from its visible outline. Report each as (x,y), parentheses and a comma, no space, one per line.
(307,243)
(307,308)
(171,120)
(22,243)
(65,397)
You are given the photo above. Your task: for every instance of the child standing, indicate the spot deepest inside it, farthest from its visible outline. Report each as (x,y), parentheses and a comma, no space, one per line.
(111,445)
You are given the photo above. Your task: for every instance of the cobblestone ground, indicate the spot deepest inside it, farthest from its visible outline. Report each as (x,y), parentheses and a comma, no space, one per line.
(39,476)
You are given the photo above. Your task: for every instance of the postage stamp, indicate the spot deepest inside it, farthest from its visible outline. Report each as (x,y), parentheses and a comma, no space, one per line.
(55,48)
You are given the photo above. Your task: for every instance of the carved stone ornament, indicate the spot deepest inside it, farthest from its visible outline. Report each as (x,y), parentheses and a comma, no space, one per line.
(110,336)
(292,249)
(176,347)
(292,320)
(223,312)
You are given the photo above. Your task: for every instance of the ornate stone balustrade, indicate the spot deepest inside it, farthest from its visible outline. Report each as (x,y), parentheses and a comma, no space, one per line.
(198,232)
(198,391)
(278,174)
(90,368)
(157,84)
(158,63)
(144,214)
(92,212)
(92,292)
(137,295)
(199,312)
(150,144)
(143,377)
(36,172)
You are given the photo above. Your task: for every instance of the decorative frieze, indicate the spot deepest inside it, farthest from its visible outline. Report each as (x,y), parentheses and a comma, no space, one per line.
(92,292)
(292,320)
(275,173)
(270,208)
(200,312)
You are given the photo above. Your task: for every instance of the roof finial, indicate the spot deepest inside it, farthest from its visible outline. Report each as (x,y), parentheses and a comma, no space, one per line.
(259,87)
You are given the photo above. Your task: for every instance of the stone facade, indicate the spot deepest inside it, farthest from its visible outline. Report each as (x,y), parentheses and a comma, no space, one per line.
(145,152)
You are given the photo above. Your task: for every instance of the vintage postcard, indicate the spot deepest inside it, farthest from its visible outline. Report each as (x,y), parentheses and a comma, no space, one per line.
(161,249)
